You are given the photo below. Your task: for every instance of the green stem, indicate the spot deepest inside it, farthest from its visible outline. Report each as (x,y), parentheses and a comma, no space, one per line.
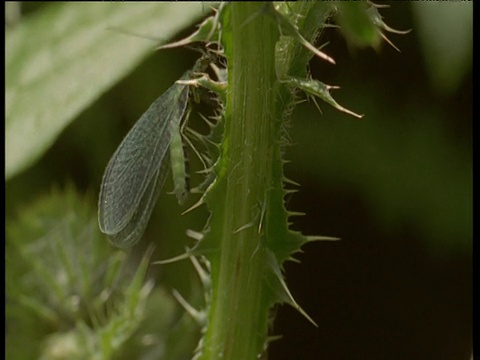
(238,315)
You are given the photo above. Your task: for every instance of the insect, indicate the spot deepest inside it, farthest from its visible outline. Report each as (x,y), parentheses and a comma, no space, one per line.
(179,162)
(137,170)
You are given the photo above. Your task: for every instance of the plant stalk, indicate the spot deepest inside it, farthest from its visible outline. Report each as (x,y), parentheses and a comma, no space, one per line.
(238,316)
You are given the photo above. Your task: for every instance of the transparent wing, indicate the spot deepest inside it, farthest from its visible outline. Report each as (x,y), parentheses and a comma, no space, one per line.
(134,171)
(135,228)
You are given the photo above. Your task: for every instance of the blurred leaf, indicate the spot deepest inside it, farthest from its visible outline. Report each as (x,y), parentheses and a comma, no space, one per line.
(356,24)
(445,29)
(63,57)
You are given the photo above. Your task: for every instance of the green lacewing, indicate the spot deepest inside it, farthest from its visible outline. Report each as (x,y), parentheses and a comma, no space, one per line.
(137,170)
(179,163)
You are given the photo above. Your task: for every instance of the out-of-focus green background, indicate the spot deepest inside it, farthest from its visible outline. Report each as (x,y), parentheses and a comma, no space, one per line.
(396,187)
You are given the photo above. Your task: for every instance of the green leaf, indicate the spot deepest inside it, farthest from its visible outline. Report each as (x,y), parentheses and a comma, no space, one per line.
(316,88)
(62,58)
(287,28)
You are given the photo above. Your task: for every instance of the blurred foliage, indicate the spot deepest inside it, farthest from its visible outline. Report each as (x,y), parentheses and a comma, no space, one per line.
(70,295)
(405,168)
(73,62)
